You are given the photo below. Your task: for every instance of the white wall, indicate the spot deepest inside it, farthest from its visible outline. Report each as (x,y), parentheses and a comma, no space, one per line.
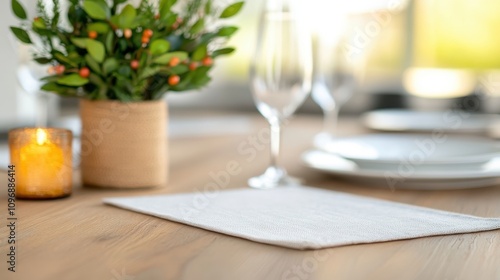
(17,107)
(8,66)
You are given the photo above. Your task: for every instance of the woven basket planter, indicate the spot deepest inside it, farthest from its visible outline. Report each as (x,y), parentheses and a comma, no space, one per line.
(124,145)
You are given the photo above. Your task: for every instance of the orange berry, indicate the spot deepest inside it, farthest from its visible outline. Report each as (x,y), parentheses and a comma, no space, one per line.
(148,33)
(145,40)
(207,61)
(92,34)
(51,70)
(193,66)
(177,23)
(59,69)
(84,72)
(174,80)
(174,61)
(134,64)
(127,33)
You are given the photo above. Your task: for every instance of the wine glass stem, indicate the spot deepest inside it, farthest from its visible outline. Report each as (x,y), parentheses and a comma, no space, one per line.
(275,142)
(330,121)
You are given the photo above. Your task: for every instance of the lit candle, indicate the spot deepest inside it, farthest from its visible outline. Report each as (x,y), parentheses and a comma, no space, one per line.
(42,160)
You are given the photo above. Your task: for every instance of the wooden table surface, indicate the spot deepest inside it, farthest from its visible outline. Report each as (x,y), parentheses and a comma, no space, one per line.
(81,238)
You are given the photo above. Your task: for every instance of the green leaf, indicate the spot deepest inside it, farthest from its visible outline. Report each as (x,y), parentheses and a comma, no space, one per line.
(96,9)
(62,90)
(51,78)
(102,92)
(96,80)
(200,53)
(123,45)
(62,37)
(73,80)
(201,72)
(75,57)
(43,31)
(207,37)
(109,42)
(92,64)
(99,27)
(149,71)
(127,17)
(198,26)
(42,60)
(184,82)
(96,50)
(80,42)
(158,94)
(200,77)
(179,69)
(124,70)
(165,7)
(55,21)
(202,81)
(71,15)
(159,46)
(118,2)
(110,65)
(227,31)
(169,19)
(123,82)
(50,86)
(115,20)
(232,10)
(165,58)
(18,9)
(21,34)
(208,7)
(122,96)
(39,24)
(224,51)
(61,58)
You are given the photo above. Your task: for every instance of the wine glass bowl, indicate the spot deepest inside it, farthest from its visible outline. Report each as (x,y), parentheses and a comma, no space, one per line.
(334,83)
(331,94)
(281,77)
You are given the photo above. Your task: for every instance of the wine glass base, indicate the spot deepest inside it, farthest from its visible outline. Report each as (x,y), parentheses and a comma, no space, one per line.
(272,178)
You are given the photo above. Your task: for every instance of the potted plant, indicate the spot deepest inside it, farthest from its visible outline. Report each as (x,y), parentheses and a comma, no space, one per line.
(121,60)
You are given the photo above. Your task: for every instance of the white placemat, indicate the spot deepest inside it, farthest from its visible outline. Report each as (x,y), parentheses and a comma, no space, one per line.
(304,217)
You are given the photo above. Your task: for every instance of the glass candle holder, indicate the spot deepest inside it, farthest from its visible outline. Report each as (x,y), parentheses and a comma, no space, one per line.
(42,162)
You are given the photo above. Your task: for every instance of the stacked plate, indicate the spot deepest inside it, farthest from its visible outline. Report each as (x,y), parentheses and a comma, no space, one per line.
(398,120)
(433,161)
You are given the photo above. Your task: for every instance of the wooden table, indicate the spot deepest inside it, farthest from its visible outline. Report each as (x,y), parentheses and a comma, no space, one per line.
(80,238)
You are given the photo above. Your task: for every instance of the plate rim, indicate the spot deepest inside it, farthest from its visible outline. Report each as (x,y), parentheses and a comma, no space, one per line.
(458,160)
(359,172)
(488,119)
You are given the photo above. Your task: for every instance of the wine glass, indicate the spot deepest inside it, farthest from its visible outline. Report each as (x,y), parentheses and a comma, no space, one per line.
(281,76)
(334,84)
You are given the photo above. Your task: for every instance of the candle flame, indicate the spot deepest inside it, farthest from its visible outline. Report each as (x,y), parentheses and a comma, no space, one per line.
(41,136)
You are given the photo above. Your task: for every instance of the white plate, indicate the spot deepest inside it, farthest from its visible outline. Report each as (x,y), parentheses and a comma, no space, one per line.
(413,121)
(395,149)
(409,177)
